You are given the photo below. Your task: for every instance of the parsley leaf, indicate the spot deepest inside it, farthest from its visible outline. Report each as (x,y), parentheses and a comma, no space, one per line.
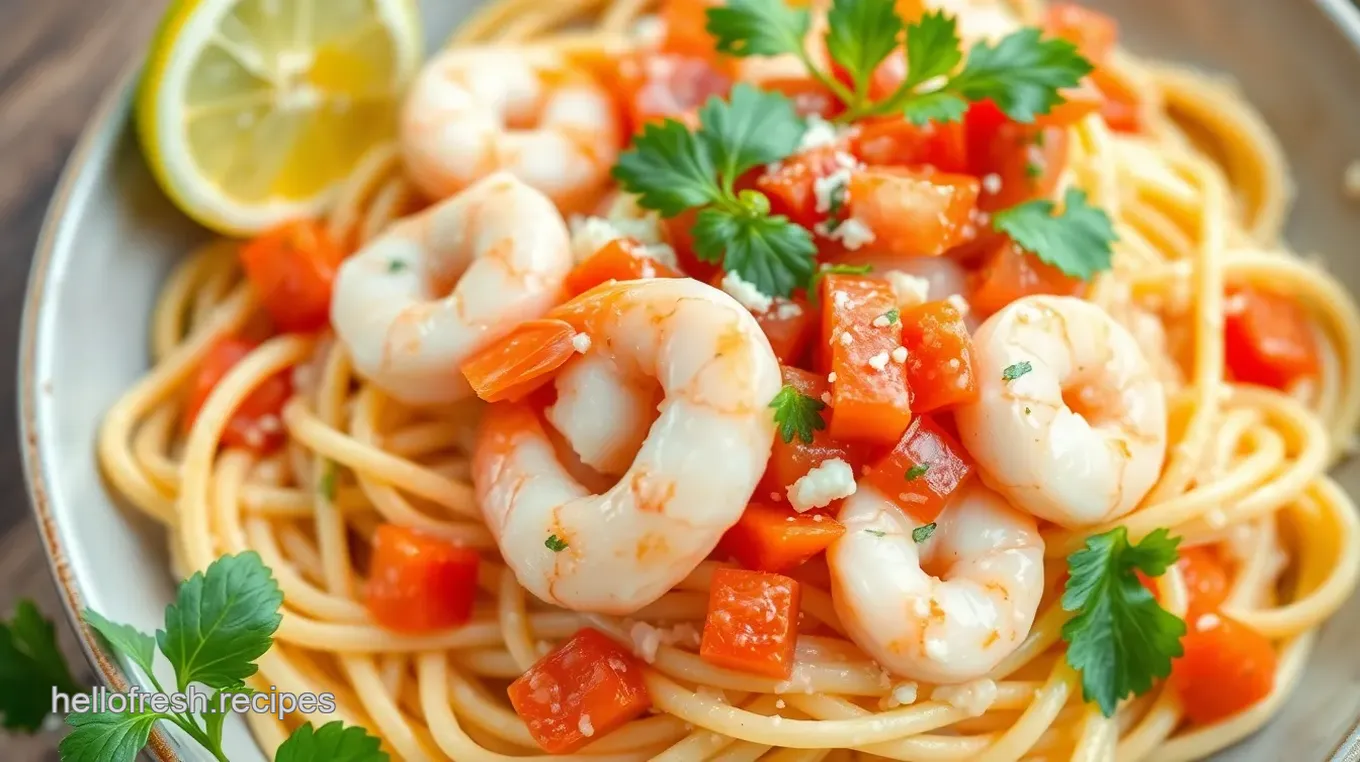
(860,34)
(933,48)
(668,168)
(127,640)
(1079,241)
(797,414)
(917,471)
(891,316)
(106,737)
(922,533)
(31,666)
(1120,639)
(332,742)
(757,27)
(750,129)
(771,253)
(1022,73)
(555,544)
(221,622)
(940,106)
(1017,370)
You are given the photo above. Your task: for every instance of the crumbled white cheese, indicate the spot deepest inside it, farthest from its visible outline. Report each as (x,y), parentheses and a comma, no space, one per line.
(881,322)
(746,293)
(585,727)
(973,698)
(648,639)
(825,189)
(624,219)
(581,342)
(902,694)
(852,233)
(826,398)
(832,480)
(846,338)
(879,361)
(899,355)
(831,377)
(908,289)
(785,309)
(960,304)
(991,183)
(779,704)
(840,299)
(819,134)
(589,235)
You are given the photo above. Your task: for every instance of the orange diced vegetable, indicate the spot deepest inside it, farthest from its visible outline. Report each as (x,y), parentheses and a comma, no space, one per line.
(1206,584)
(808,95)
(679,233)
(869,396)
(1026,158)
(292,267)
(922,471)
(790,188)
(582,691)
(256,424)
(1268,339)
(790,328)
(1010,273)
(1227,667)
(418,583)
(895,141)
(752,623)
(520,362)
(914,212)
(1093,32)
(686,22)
(939,357)
(620,259)
(773,538)
(1121,107)
(792,460)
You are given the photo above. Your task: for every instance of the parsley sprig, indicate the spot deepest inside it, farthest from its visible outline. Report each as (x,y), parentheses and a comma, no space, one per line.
(31,667)
(672,170)
(1120,639)
(1022,73)
(222,620)
(1078,241)
(797,414)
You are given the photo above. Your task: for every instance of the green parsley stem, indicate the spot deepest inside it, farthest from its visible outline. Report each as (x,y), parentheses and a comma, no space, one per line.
(193,731)
(842,92)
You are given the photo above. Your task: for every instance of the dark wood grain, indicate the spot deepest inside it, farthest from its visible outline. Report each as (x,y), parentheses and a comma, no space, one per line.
(56,58)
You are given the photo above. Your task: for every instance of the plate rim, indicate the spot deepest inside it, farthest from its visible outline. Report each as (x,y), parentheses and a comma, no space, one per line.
(100,127)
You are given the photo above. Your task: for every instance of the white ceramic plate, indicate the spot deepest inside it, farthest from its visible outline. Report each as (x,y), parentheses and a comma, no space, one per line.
(111,238)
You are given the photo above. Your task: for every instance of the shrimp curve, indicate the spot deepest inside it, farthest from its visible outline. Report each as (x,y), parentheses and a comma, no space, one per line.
(951,624)
(475,110)
(619,550)
(1070,422)
(436,287)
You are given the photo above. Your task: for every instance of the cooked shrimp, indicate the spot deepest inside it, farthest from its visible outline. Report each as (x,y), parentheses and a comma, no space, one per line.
(528,111)
(620,550)
(1070,423)
(437,287)
(958,620)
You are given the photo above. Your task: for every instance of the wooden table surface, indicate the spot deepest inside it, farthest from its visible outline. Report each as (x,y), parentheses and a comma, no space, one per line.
(56,59)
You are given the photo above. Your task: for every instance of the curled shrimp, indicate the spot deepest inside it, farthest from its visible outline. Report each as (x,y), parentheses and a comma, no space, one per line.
(619,550)
(947,609)
(528,111)
(1070,422)
(437,287)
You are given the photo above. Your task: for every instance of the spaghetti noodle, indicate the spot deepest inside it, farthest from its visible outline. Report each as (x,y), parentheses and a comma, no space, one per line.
(1197,200)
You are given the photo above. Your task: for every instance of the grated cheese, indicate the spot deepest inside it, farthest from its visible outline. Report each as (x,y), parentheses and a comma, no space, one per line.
(991,183)
(746,293)
(819,134)
(581,342)
(853,234)
(832,480)
(785,309)
(585,727)
(899,355)
(879,361)
(973,698)
(909,289)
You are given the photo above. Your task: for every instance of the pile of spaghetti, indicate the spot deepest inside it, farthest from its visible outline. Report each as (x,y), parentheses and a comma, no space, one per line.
(884,202)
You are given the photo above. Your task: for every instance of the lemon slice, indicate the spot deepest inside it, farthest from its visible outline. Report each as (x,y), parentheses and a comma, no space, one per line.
(251,112)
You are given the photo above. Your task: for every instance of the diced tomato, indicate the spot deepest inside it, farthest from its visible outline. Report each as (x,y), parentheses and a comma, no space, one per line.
(1010,273)
(884,81)
(1120,106)
(752,622)
(895,141)
(808,95)
(914,212)
(681,238)
(791,187)
(870,398)
(620,259)
(585,689)
(1206,584)
(939,357)
(1227,667)
(1026,158)
(774,538)
(792,460)
(418,583)
(256,424)
(922,471)
(292,267)
(656,86)
(1094,33)
(686,23)
(790,326)
(1077,103)
(1268,338)
(517,364)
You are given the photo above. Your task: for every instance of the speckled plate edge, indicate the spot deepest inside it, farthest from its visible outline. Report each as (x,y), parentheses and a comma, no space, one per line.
(99,135)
